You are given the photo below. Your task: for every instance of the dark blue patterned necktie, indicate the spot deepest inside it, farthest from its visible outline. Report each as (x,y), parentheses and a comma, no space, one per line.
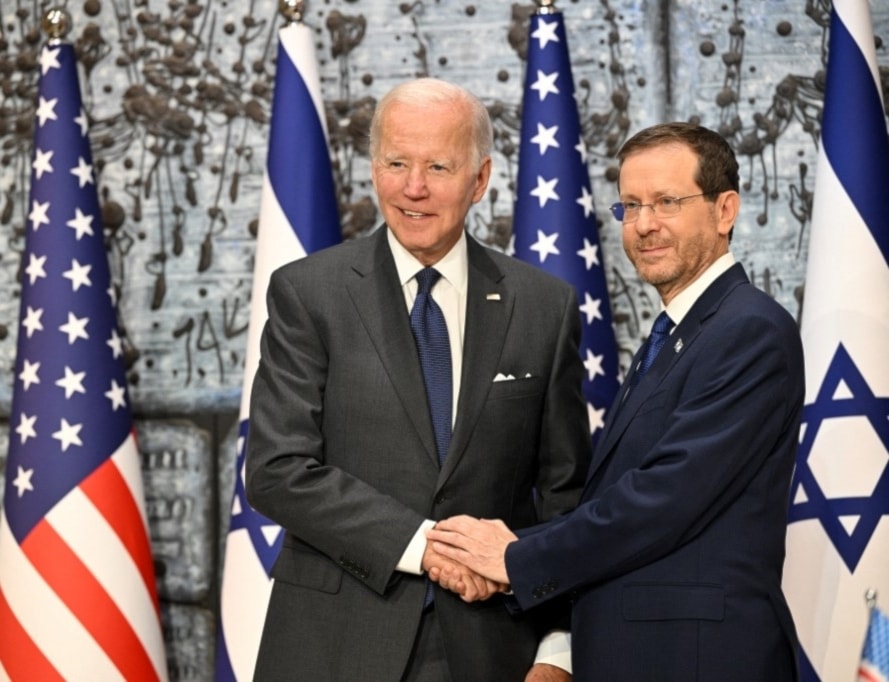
(660,332)
(431,335)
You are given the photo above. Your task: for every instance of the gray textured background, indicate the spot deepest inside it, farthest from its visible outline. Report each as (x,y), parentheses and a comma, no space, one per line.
(178,94)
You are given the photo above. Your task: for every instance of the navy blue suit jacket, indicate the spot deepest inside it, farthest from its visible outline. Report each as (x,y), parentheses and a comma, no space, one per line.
(673,559)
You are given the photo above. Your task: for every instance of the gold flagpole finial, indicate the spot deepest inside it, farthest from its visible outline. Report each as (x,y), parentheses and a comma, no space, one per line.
(292,10)
(546,7)
(56,23)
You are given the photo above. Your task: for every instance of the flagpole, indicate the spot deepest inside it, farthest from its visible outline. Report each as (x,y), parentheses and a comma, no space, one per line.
(870,598)
(56,23)
(291,10)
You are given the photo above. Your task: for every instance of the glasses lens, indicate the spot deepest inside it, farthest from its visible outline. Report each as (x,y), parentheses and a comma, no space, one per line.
(617,210)
(667,206)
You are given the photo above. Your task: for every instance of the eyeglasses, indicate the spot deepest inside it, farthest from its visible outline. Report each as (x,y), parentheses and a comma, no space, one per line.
(663,207)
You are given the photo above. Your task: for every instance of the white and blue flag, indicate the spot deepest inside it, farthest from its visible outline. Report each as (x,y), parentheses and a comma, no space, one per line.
(838,535)
(298,215)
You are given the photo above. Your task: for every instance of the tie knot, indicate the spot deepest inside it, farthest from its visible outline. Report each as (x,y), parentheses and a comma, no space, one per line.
(662,323)
(426,279)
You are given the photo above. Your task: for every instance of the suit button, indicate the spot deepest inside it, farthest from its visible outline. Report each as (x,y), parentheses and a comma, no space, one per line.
(442,497)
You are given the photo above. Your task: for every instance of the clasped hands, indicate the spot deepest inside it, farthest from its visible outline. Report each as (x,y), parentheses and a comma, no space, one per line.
(467,556)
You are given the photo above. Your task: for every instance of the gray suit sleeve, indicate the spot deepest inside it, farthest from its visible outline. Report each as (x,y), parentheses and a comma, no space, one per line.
(289,478)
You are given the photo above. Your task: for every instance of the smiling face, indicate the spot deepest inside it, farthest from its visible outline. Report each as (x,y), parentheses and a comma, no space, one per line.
(672,252)
(425,175)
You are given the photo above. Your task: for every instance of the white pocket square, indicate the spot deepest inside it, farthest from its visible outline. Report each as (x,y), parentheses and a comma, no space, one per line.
(509,377)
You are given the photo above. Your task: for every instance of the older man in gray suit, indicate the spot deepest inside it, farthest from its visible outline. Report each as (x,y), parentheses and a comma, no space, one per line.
(347,453)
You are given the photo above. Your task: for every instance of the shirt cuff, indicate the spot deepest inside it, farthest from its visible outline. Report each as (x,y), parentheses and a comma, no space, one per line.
(555,649)
(412,559)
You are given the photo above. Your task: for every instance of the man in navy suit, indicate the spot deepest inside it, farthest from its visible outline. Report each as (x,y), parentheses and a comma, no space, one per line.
(343,450)
(673,558)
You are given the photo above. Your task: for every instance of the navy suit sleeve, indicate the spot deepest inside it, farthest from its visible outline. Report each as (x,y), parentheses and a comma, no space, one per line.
(726,408)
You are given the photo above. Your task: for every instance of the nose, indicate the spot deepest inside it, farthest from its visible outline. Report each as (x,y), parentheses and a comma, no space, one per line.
(647,220)
(415,183)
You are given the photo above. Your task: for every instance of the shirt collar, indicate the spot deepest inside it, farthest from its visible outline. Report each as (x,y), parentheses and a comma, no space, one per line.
(684,300)
(454,266)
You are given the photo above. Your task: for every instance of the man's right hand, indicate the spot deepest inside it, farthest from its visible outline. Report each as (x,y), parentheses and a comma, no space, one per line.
(458,578)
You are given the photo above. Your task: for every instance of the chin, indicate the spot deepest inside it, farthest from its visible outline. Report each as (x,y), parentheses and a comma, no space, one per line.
(656,278)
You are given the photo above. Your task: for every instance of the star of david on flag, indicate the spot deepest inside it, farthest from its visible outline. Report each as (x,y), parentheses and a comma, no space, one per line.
(555,224)
(837,535)
(298,215)
(78,598)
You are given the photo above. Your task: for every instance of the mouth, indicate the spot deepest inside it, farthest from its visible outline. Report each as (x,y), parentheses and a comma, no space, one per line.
(652,249)
(413,214)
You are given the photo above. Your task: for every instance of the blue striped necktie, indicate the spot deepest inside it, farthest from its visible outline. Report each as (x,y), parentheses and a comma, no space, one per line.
(431,335)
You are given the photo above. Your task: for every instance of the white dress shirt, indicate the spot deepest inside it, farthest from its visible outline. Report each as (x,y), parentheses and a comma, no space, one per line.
(450,294)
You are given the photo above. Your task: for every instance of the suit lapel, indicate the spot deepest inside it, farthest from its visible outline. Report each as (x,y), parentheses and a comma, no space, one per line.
(489,305)
(379,301)
(680,340)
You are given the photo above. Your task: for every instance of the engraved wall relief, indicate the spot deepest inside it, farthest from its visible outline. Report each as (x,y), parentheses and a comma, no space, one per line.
(178,95)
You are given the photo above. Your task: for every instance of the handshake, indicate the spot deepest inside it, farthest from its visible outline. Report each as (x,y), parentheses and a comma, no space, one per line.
(468,556)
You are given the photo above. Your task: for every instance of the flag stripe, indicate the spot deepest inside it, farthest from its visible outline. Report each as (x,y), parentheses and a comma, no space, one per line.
(305,138)
(122,513)
(275,242)
(87,598)
(859,153)
(128,463)
(25,660)
(51,625)
(867,674)
(239,607)
(107,559)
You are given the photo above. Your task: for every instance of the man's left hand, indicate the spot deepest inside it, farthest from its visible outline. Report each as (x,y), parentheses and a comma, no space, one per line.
(479,544)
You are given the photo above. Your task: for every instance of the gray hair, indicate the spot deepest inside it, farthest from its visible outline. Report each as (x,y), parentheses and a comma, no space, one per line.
(425,91)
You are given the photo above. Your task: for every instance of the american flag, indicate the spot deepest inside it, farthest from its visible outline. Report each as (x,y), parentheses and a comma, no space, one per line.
(298,215)
(875,653)
(78,598)
(555,219)
(838,536)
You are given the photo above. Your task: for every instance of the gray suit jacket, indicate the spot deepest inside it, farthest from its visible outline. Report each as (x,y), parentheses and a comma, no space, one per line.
(341,454)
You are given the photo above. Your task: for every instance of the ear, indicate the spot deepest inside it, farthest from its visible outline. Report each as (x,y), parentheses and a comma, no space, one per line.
(481,180)
(728,204)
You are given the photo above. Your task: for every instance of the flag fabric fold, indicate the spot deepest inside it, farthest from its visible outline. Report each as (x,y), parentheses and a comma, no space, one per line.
(837,536)
(78,599)
(555,225)
(298,215)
